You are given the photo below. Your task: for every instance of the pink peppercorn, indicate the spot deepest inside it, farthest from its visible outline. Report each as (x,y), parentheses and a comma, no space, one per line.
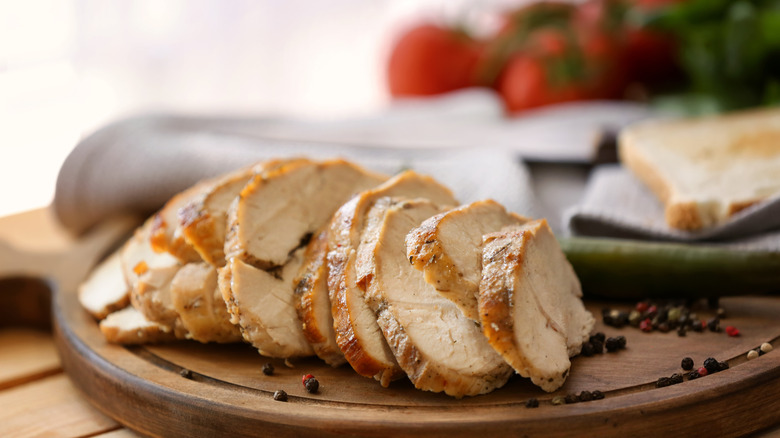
(646,325)
(702,371)
(732,331)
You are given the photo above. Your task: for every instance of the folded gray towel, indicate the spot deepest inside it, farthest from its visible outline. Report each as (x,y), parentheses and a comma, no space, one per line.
(135,165)
(616,204)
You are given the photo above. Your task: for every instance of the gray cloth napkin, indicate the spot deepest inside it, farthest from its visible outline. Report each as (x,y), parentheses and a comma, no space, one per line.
(617,204)
(135,165)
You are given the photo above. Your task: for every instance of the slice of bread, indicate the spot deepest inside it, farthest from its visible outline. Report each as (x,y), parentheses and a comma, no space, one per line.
(706,170)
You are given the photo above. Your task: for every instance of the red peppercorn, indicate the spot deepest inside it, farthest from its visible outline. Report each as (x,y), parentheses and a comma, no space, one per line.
(305,378)
(646,325)
(732,331)
(702,371)
(652,310)
(642,306)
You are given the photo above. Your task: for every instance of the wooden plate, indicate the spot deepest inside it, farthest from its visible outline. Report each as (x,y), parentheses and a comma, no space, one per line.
(190,389)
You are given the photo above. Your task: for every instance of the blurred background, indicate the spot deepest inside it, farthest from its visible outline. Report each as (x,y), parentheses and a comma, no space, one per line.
(69,66)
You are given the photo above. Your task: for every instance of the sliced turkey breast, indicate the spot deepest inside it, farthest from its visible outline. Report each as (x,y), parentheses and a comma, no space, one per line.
(357,332)
(105,289)
(149,275)
(313,303)
(203,220)
(165,234)
(129,326)
(197,300)
(447,248)
(280,209)
(438,347)
(271,221)
(530,303)
(261,303)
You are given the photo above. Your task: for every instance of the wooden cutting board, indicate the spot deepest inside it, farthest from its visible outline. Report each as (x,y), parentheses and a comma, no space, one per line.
(190,389)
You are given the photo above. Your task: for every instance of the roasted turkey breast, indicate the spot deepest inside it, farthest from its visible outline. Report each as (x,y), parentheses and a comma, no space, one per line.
(530,303)
(357,332)
(438,347)
(447,248)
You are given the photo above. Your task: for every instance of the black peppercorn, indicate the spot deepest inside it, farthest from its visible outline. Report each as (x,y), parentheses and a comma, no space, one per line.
(687,364)
(676,378)
(714,324)
(532,403)
(586,396)
(268,368)
(712,365)
(597,395)
(280,395)
(598,336)
(312,385)
(621,342)
(587,349)
(663,382)
(693,375)
(723,366)
(598,346)
(571,398)
(612,345)
(721,313)
(681,331)
(663,327)
(187,374)
(697,327)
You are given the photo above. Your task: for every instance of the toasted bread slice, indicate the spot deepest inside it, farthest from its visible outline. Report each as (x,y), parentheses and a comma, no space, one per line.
(447,248)
(439,348)
(706,170)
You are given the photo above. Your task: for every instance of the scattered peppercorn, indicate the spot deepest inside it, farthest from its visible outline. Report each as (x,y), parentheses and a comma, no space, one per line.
(702,371)
(305,378)
(681,331)
(698,326)
(597,395)
(646,325)
(612,345)
(187,374)
(676,378)
(752,354)
(732,331)
(714,324)
(587,349)
(634,318)
(311,385)
(711,364)
(663,327)
(571,398)
(598,345)
(558,400)
(693,375)
(532,403)
(642,306)
(687,364)
(280,395)
(663,382)
(766,347)
(599,336)
(723,366)
(721,313)
(586,396)
(268,369)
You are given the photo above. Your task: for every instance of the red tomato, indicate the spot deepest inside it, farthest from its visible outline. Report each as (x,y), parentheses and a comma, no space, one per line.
(429,59)
(526,83)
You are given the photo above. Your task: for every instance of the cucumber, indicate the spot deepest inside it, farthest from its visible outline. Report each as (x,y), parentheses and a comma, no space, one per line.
(630,269)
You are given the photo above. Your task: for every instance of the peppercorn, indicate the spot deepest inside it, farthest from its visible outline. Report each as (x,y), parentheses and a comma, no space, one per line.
(599,336)
(663,327)
(268,368)
(532,403)
(280,395)
(558,400)
(663,382)
(732,331)
(766,347)
(646,325)
(687,364)
(597,395)
(598,346)
(676,378)
(305,378)
(642,306)
(673,314)
(586,396)
(311,385)
(711,364)
(612,345)
(752,354)
(587,349)
(714,324)
(621,342)
(698,326)
(571,398)
(681,331)
(652,311)
(702,371)
(634,318)
(721,313)
(187,374)
(693,375)
(723,366)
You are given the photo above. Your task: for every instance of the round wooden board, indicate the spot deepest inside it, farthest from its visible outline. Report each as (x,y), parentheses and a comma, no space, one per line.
(225,392)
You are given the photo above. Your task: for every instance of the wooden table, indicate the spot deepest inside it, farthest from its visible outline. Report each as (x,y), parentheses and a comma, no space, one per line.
(36,397)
